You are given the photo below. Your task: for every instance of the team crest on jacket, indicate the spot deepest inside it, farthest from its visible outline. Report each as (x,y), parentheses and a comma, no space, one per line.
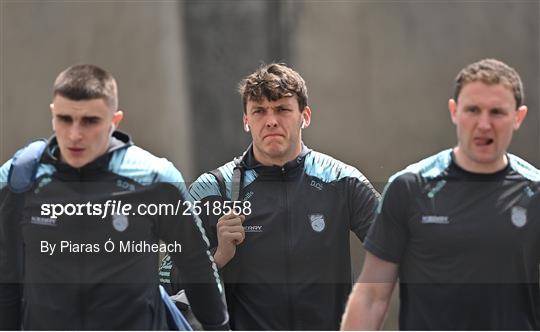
(317,222)
(519,216)
(120,222)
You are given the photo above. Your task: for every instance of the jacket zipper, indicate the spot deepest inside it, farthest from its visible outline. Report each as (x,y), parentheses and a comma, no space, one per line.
(289,251)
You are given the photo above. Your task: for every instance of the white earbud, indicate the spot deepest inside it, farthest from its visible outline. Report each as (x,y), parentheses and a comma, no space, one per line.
(246,128)
(53,126)
(303,123)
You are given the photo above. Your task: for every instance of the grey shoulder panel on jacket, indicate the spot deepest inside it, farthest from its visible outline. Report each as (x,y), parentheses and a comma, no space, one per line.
(527,170)
(428,168)
(143,167)
(329,169)
(4,171)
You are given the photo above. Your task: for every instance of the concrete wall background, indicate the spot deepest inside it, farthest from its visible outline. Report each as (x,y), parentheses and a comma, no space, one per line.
(379,73)
(224,41)
(139,42)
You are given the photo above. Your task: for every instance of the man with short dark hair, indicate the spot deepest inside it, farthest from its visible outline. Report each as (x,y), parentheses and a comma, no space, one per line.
(285,256)
(456,227)
(72,257)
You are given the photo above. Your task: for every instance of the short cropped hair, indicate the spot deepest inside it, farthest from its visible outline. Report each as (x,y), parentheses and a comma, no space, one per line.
(273,81)
(86,82)
(490,72)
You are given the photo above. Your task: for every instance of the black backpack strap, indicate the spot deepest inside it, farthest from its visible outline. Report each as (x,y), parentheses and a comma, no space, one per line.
(24,165)
(237,179)
(221,182)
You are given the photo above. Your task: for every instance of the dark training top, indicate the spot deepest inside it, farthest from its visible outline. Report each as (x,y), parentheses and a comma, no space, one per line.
(82,286)
(467,245)
(293,270)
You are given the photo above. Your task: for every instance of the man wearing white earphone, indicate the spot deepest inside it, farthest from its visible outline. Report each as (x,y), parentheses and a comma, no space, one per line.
(73,274)
(286,260)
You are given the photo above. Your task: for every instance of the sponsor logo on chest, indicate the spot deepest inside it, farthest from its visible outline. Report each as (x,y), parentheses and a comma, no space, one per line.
(441,220)
(253,229)
(43,221)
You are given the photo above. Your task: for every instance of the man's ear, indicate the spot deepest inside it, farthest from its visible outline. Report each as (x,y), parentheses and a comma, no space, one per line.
(452,107)
(117,118)
(306,117)
(51,107)
(246,125)
(520,116)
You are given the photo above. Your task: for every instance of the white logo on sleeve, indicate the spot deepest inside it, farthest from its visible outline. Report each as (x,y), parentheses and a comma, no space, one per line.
(519,216)
(317,222)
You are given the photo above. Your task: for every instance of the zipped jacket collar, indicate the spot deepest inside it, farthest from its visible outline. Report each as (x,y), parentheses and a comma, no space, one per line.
(118,141)
(248,161)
